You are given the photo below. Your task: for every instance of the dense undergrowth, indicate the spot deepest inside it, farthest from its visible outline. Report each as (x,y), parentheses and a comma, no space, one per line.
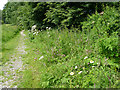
(87,58)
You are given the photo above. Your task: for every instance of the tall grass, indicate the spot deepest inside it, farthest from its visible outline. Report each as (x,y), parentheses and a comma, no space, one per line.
(54,54)
(75,58)
(8,32)
(9,41)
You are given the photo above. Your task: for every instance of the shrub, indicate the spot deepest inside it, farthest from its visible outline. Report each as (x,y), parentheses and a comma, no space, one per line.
(103,28)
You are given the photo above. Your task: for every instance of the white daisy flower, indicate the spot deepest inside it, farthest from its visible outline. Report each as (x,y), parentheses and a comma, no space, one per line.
(91,61)
(72,73)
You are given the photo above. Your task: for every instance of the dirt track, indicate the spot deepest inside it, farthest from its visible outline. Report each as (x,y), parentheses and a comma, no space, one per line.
(14,66)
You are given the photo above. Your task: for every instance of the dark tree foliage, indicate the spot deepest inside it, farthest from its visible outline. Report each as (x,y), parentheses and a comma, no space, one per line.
(38,13)
(53,14)
(10,12)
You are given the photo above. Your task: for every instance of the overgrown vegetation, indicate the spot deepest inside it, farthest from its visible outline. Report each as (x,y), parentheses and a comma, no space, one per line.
(73,58)
(75,45)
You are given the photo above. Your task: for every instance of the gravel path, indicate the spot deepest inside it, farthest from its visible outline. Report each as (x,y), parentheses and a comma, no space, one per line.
(14,66)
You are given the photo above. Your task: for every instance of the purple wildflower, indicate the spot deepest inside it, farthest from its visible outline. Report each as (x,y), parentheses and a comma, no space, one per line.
(35,58)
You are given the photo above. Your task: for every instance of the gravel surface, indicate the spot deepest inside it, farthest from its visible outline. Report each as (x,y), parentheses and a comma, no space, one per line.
(10,68)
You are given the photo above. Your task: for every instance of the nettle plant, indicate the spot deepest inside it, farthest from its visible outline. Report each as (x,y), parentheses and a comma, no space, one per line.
(103,30)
